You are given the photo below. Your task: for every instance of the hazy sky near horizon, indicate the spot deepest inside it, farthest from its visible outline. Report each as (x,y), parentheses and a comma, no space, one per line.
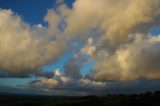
(79,47)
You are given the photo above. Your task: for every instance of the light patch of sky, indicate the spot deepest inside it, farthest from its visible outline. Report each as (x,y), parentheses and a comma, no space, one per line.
(15,82)
(87,68)
(59,64)
(87,65)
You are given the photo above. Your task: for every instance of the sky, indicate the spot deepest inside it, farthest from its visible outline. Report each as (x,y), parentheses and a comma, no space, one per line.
(79,47)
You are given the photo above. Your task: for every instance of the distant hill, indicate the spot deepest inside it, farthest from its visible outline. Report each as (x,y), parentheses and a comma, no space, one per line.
(145,99)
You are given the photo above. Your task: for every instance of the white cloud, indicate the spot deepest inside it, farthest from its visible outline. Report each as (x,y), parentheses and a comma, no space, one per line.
(89,48)
(115,19)
(122,49)
(23,48)
(62,82)
(139,59)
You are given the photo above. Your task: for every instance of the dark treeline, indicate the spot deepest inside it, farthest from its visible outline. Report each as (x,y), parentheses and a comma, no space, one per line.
(145,99)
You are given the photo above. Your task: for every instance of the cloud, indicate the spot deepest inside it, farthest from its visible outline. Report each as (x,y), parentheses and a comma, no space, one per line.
(117,26)
(115,19)
(63,82)
(115,35)
(24,47)
(72,68)
(136,60)
(89,48)
(112,33)
(59,2)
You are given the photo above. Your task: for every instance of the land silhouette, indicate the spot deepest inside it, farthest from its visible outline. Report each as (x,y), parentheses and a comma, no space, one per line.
(143,99)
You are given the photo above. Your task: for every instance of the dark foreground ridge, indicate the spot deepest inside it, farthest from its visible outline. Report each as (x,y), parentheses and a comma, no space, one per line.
(145,99)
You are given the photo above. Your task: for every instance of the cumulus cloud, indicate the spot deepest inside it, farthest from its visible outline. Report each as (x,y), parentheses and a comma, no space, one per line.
(89,48)
(23,47)
(72,68)
(63,82)
(115,19)
(139,59)
(117,26)
(113,33)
